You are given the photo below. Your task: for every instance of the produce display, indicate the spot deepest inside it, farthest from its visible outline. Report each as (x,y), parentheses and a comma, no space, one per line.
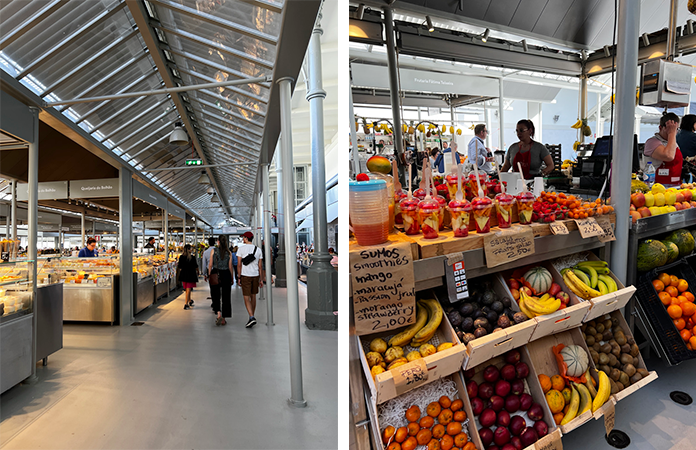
(505,413)
(482,207)
(589,279)
(503,209)
(660,200)
(557,206)
(429,217)
(484,312)
(679,304)
(525,207)
(614,353)
(536,293)
(654,253)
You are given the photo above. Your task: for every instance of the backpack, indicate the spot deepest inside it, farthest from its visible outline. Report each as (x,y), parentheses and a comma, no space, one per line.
(250,258)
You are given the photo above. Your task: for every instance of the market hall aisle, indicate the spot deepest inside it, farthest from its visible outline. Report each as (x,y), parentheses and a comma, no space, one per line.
(178,381)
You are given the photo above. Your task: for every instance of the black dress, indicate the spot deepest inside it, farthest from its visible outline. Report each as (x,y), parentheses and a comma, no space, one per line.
(222,293)
(188,269)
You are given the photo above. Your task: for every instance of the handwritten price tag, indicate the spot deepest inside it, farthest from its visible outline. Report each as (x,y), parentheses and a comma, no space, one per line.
(607,229)
(410,376)
(609,417)
(589,227)
(558,228)
(507,246)
(551,441)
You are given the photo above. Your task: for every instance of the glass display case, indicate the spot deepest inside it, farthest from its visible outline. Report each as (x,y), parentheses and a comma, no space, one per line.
(16,298)
(142,265)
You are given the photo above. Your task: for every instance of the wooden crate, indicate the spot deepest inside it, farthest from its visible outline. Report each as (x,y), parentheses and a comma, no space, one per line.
(532,387)
(386,386)
(544,362)
(563,319)
(494,344)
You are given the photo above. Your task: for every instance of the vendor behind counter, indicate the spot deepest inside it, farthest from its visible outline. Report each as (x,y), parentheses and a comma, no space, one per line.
(90,249)
(528,153)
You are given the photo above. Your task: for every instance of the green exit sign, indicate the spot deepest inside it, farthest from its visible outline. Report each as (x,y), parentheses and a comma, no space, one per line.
(194,162)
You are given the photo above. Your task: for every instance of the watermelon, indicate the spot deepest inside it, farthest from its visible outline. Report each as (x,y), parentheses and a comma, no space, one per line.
(672,251)
(684,241)
(575,357)
(539,279)
(651,254)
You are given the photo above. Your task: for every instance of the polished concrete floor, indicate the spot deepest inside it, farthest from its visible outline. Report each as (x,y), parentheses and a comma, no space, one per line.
(178,382)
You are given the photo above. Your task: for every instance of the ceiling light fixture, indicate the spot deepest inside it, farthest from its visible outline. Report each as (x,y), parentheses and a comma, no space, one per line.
(203,178)
(525,47)
(210,190)
(646,40)
(360,12)
(429,22)
(214,199)
(486,33)
(178,136)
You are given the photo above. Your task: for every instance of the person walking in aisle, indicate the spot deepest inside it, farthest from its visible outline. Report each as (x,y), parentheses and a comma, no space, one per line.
(206,263)
(251,274)
(221,265)
(234,264)
(188,273)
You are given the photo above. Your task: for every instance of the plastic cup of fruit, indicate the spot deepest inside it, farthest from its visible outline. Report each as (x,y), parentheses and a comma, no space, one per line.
(429,215)
(472,186)
(503,209)
(398,196)
(525,205)
(441,212)
(409,214)
(460,212)
(452,185)
(482,207)
(419,193)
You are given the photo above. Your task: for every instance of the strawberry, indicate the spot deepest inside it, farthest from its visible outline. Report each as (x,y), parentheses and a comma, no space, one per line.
(362,177)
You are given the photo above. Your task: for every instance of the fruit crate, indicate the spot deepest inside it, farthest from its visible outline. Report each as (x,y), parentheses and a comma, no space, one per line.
(674,346)
(563,319)
(641,362)
(395,409)
(603,304)
(392,383)
(494,344)
(544,362)
(531,387)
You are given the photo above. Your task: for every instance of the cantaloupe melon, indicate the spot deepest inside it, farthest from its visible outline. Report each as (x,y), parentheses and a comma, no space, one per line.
(576,359)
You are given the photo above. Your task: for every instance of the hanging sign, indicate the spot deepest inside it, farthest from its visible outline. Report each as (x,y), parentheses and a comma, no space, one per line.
(106,187)
(175,211)
(148,195)
(503,247)
(384,292)
(551,441)
(607,230)
(610,418)
(558,228)
(51,190)
(588,227)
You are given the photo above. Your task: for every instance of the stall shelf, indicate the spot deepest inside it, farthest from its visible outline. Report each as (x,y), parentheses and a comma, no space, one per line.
(144,284)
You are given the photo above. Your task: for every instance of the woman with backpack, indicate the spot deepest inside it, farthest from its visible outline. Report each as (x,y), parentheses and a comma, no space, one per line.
(220,270)
(188,273)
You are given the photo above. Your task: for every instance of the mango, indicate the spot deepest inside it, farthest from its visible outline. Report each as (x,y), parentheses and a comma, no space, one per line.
(670,197)
(379,164)
(657,188)
(660,199)
(649,199)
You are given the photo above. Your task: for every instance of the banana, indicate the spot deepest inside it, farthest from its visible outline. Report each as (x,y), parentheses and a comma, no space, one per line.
(574,405)
(577,124)
(592,273)
(585,398)
(524,309)
(609,281)
(578,287)
(403,338)
(593,263)
(603,392)
(540,307)
(571,285)
(434,319)
(583,277)
(589,383)
(603,289)
(544,297)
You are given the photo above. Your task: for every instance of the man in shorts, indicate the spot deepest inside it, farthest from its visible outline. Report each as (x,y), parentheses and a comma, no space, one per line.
(250,272)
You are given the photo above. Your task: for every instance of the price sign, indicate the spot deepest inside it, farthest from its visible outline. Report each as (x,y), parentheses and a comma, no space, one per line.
(507,246)
(384,290)
(588,227)
(410,376)
(551,441)
(558,228)
(609,417)
(607,230)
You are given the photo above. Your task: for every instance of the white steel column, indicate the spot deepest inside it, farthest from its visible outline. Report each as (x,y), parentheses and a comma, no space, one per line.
(14,213)
(534,114)
(501,115)
(626,71)
(33,228)
(125,228)
(297,397)
(583,103)
(165,226)
(353,134)
(281,278)
(267,238)
(600,123)
(487,121)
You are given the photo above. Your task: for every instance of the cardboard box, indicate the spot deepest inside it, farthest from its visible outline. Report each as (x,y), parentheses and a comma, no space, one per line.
(532,387)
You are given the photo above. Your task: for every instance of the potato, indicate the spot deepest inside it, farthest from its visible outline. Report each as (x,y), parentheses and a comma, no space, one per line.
(378,345)
(373,359)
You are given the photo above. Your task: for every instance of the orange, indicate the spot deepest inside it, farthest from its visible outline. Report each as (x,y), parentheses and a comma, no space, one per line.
(658,285)
(409,444)
(545,382)
(682,285)
(461,440)
(692,341)
(558,417)
(664,278)
(674,311)
(434,444)
(401,435)
(433,409)
(438,431)
(388,433)
(672,291)
(445,401)
(456,405)
(413,428)
(680,323)
(459,416)
(413,414)
(427,422)
(469,446)
(557,382)
(424,436)
(454,428)
(674,301)
(689,296)
(688,308)
(447,442)
(394,446)
(445,417)
(682,299)
(685,335)
(555,400)
(665,298)
(673,280)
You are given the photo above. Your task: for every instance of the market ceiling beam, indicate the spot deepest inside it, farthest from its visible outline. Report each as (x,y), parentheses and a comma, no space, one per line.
(135,118)
(201,167)
(233,114)
(238,129)
(34,20)
(200,76)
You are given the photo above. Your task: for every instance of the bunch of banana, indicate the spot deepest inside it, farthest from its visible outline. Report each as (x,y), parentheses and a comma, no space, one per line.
(533,306)
(403,338)
(577,124)
(590,279)
(585,397)
(435,314)
(603,392)
(574,406)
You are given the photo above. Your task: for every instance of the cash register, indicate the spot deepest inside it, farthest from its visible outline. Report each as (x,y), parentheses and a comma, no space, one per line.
(594,163)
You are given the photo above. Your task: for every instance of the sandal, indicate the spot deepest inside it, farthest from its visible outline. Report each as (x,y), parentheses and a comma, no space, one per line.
(219,321)
(224,322)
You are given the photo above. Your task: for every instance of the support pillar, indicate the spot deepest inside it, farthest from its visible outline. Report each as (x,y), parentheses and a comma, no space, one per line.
(394,90)
(183,232)
(33,228)
(487,121)
(297,397)
(82,222)
(281,278)
(268,258)
(322,278)
(501,115)
(165,227)
(583,102)
(600,123)
(125,230)
(353,134)
(626,71)
(14,216)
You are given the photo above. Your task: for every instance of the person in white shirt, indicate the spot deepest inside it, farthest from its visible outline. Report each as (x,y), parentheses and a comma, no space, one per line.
(250,272)
(478,153)
(206,263)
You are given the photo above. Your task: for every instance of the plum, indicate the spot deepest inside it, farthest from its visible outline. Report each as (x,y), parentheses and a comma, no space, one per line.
(502,388)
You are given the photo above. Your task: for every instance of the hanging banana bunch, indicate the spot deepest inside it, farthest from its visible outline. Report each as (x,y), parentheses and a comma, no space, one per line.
(421,128)
(404,128)
(459,132)
(411,130)
(431,126)
(451,130)
(444,129)
(472,127)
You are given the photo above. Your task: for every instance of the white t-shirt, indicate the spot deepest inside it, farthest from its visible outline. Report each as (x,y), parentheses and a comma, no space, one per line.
(251,270)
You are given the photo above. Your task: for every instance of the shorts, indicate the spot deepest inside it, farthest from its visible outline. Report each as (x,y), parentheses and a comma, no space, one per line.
(188,285)
(250,285)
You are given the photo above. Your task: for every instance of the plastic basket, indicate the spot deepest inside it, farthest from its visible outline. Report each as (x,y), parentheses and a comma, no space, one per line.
(667,333)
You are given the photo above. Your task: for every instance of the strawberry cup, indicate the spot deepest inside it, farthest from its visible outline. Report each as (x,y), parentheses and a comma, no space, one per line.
(452,185)
(441,212)
(503,208)
(429,215)
(525,206)
(482,207)
(460,210)
(419,193)
(471,189)
(398,196)
(409,215)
